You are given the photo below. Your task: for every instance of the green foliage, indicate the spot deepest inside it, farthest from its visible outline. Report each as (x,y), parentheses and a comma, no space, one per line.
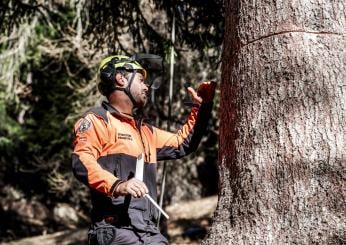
(35,121)
(44,135)
(9,129)
(199,24)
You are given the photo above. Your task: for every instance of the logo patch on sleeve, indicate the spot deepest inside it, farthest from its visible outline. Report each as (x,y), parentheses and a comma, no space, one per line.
(84,126)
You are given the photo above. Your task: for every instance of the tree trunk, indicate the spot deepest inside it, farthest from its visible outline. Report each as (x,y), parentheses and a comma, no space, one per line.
(283,119)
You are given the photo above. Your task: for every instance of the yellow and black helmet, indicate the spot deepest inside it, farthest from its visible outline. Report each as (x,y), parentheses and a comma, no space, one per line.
(113,64)
(122,62)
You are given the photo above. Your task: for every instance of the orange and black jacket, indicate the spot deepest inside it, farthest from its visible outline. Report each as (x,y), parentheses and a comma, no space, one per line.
(106,147)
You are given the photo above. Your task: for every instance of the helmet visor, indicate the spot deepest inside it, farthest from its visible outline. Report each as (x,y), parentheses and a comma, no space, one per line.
(153,64)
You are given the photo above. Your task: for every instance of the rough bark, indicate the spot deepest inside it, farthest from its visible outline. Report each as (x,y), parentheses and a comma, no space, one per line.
(283,118)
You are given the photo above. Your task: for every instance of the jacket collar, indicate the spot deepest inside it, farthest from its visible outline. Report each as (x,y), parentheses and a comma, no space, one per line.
(133,120)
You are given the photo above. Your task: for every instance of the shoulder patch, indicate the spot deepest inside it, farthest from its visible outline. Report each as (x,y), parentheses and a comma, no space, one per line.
(84,126)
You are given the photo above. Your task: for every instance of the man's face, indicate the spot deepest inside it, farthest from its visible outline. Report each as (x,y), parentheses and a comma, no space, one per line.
(139,89)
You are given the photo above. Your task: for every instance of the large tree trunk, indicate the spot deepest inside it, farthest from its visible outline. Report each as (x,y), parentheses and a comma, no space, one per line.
(283,119)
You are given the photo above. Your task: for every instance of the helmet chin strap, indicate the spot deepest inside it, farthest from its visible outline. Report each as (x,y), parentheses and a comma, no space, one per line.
(127,90)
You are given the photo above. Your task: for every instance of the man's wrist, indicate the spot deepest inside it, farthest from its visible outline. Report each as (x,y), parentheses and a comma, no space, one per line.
(115,187)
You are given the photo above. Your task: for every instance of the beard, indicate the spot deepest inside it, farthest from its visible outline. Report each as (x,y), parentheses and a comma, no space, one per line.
(142,100)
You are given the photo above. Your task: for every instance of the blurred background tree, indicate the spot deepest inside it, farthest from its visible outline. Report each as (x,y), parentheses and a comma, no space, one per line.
(50,51)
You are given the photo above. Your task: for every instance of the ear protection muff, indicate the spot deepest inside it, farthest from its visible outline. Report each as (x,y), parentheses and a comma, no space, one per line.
(107,76)
(107,73)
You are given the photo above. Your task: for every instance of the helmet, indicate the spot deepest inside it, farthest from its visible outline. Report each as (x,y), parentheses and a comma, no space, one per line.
(110,65)
(122,62)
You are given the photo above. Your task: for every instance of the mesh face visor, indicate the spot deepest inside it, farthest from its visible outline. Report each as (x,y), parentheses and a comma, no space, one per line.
(153,64)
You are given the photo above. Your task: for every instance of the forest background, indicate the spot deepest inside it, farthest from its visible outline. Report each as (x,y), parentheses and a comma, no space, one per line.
(49,56)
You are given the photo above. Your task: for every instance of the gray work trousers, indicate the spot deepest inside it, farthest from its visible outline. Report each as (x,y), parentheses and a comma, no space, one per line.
(112,235)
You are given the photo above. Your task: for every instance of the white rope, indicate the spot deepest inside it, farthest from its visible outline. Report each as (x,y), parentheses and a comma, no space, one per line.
(171,77)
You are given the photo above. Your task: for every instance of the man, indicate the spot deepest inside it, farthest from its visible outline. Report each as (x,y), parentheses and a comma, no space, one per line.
(108,140)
